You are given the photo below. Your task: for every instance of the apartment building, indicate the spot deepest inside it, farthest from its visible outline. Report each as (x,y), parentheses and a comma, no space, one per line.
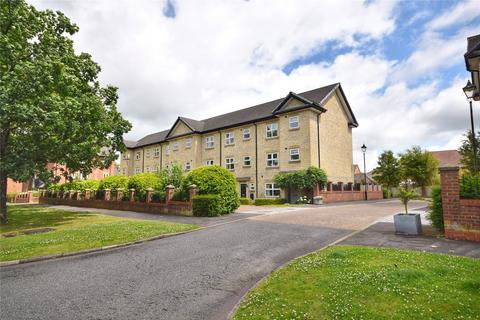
(313,128)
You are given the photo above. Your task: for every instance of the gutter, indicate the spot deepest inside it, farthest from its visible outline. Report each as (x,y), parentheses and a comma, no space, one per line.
(256,161)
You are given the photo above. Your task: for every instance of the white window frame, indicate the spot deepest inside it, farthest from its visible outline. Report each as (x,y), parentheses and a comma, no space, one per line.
(137,155)
(126,156)
(209,163)
(271,130)
(229,138)
(230,164)
(175,146)
(209,142)
(188,143)
(294,152)
(147,153)
(188,166)
(294,122)
(272,160)
(105,174)
(246,134)
(245,159)
(156,152)
(271,189)
(138,170)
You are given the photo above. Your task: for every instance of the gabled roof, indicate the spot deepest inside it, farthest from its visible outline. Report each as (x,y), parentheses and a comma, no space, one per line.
(282,107)
(473,49)
(447,158)
(130,143)
(313,99)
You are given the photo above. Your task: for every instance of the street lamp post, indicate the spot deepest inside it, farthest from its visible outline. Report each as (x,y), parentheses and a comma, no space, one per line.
(469,91)
(364,149)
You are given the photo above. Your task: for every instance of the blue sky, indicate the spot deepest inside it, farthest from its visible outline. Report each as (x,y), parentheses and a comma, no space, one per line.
(400,62)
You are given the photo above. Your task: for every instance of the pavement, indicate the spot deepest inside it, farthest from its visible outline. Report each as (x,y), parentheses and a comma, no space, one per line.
(198,275)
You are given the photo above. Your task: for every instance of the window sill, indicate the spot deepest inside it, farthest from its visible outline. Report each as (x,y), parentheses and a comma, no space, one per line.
(247,166)
(293,129)
(294,161)
(229,145)
(209,148)
(271,138)
(247,139)
(277,167)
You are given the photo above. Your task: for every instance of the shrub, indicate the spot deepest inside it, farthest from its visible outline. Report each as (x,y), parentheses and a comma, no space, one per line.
(11,196)
(302,179)
(180,195)
(87,184)
(141,182)
(386,194)
(208,205)
(269,201)
(435,214)
(245,201)
(171,176)
(215,180)
(405,196)
(470,186)
(113,183)
(158,196)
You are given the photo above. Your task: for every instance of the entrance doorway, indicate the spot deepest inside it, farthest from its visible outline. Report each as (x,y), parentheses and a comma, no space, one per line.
(243,190)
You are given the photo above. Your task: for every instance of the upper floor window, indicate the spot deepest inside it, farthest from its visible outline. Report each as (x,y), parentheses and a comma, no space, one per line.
(247,161)
(188,143)
(209,142)
(246,133)
(137,170)
(126,156)
(209,162)
(295,154)
(188,166)
(137,155)
(229,138)
(175,146)
(147,153)
(167,150)
(293,122)
(272,130)
(229,164)
(156,152)
(272,159)
(272,190)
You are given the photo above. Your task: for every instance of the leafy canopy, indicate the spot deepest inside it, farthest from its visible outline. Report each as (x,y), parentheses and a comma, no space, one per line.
(466,150)
(301,179)
(172,175)
(387,171)
(406,195)
(419,166)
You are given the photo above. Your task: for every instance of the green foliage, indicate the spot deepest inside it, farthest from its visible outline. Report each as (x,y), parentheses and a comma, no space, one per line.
(171,176)
(386,194)
(215,180)
(406,195)
(113,183)
(180,195)
(11,196)
(208,205)
(470,186)
(81,185)
(466,150)
(269,201)
(387,172)
(142,181)
(245,201)
(301,179)
(418,166)
(53,108)
(435,214)
(158,196)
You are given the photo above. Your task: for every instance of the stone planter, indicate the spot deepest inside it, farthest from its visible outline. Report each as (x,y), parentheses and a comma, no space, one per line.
(407,224)
(318,200)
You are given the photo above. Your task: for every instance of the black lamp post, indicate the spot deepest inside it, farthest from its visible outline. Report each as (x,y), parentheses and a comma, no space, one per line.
(364,149)
(469,91)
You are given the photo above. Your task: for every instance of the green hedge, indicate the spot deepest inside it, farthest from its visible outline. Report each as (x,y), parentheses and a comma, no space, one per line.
(79,185)
(142,181)
(245,201)
(113,183)
(435,214)
(269,201)
(470,186)
(386,194)
(208,205)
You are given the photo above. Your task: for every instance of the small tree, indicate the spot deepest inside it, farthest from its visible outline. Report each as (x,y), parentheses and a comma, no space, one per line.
(420,167)
(405,196)
(301,179)
(171,176)
(466,150)
(387,171)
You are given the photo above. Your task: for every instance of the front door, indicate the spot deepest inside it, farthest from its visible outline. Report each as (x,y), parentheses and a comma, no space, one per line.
(243,190)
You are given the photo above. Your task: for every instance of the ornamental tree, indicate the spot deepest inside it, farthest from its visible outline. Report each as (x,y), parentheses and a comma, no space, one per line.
(301,179)
(387,171)
(52,106)
(420,167)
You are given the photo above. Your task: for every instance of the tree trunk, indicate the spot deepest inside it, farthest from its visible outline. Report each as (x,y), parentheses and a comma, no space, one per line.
(424,192)
(3,178)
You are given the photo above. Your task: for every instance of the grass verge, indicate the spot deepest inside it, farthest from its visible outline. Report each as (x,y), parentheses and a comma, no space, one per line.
(351,282)
(73,231)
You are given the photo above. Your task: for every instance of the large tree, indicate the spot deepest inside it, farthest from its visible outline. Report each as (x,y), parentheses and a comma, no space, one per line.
(419,166)
(466,150)
(52,106)
(387,171)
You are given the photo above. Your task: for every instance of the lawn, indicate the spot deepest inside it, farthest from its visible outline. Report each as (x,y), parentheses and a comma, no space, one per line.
(350,282)
(73,231)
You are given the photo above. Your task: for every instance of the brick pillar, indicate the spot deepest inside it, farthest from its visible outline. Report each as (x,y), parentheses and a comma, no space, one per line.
(450,198)
(316,190)
(70,194)
(169,191)
(340,185)
(87,194)
(350,186)
(78,195)
(148,197)
(131,194)
(329,186)
(192,192)
(106,194)
(119,194)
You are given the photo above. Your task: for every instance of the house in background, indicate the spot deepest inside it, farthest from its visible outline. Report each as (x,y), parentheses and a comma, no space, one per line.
(313,128)
(447,158)
(359,177)
(472,61)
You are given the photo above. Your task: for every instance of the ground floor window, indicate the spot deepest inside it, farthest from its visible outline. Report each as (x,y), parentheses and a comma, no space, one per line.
(137,170)
(188,166)
(229,164)
(209,162)
(272,190)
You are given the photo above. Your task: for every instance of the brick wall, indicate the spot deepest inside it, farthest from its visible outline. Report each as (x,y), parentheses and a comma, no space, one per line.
(461,216)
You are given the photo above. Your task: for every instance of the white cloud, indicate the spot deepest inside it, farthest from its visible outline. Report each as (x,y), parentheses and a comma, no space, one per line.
(462,13)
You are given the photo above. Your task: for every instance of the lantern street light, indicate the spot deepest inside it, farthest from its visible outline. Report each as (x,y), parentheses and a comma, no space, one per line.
(470,92)
(364,149)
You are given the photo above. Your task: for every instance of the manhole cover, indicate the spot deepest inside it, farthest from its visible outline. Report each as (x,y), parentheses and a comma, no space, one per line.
(40,230)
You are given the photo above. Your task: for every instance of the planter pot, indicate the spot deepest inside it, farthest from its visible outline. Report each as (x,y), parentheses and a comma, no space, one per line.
(317,200)
(408,224)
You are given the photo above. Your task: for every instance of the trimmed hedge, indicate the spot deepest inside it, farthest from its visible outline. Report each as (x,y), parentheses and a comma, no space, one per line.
(208,205)
(113,183)
(269,201)
(386,194)
(215,180)
(142,181)
(435,214)
(470,186)
(245,201)
(79,185)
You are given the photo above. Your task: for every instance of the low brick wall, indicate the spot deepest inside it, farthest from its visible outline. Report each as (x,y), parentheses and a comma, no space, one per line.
(461,216)
(344,196)
(172,208)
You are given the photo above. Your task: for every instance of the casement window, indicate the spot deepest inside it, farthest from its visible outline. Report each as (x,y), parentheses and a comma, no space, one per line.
(147,169)
(272,159)
(126,156)
(295,154)
(293,123)
(209,142)
(272,130)
(188,166)
(175,146)
(229,164)
(272,190)
(229,138)
(188,143)
(105,174)
(147,153)
(137,155)
(167,150)
(209,162)
(247,161)
(156,152)
(246,134)
(137,170)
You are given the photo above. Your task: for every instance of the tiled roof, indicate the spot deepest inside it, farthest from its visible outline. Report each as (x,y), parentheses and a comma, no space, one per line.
(248,115)
(447,158)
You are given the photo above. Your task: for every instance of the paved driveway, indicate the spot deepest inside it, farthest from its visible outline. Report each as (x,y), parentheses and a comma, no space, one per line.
(199,275)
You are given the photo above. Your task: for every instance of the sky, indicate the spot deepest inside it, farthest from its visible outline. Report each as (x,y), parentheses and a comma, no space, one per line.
(400,63)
